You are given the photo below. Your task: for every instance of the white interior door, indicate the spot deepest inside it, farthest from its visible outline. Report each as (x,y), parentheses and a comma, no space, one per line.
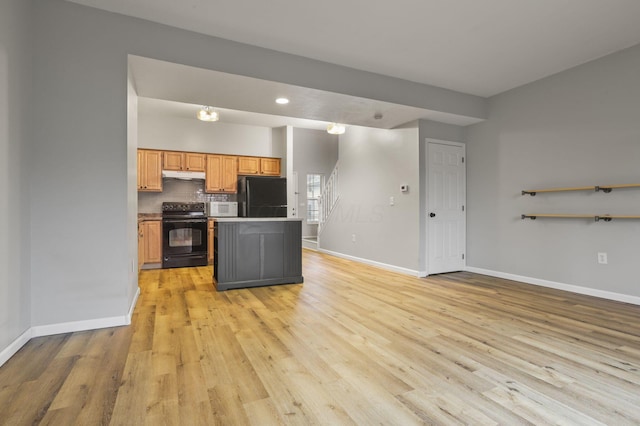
(446,208)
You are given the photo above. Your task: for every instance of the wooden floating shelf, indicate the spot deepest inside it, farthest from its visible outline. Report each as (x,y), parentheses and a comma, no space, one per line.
(597,218)
(603,188)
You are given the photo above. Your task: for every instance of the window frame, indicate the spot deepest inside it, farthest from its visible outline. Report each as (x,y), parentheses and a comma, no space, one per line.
(310,190)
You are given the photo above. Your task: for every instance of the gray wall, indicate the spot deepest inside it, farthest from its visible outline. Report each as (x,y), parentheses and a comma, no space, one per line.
(314,151)
(132,190)
(81,231)
(161,131)
(373,165)
(82,227)
(15,100)
(580,127)
(279,147)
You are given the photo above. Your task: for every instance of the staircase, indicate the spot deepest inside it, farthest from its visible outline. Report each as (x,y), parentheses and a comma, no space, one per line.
(328,198)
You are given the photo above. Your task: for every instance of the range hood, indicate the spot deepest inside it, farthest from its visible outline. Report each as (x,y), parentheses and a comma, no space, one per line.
(184,175)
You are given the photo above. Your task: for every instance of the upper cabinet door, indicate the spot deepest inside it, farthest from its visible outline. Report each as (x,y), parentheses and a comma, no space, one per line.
(270,166)
(230,174)
(194,162)
(213,182)
(248,165)
(140,169)
(184,161)
(259,166)
(221,174)
(150,170)
(172,160)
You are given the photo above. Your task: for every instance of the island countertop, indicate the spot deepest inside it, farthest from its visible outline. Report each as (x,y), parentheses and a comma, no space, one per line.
(255,219)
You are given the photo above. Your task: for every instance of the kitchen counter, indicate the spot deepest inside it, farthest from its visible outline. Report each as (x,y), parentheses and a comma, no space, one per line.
(252,252)
(255,219)
(149,216)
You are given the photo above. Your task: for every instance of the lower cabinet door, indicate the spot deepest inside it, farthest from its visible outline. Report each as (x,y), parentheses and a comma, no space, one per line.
(153,241)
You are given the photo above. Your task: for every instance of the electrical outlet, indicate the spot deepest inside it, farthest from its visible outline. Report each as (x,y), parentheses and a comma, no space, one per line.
(353,238)
(602,258)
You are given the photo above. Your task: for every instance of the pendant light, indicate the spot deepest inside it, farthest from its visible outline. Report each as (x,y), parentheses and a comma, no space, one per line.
(335,129)
(207,113)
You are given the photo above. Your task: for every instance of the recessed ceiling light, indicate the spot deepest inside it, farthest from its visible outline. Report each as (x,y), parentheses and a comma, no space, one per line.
(282,101)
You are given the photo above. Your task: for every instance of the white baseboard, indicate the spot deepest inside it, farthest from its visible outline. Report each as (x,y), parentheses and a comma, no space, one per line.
(386,266)
(67,327)
(73,326)
(133,306)
(15,346)
(559,286)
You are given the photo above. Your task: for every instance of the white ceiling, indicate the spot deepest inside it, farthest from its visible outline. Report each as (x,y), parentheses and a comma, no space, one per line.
(230,94)
(480,47)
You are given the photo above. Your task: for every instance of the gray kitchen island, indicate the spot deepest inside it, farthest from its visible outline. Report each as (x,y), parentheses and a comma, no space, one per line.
(251,252)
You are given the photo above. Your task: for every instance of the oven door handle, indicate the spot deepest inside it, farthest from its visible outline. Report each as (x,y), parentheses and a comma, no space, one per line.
(185,221)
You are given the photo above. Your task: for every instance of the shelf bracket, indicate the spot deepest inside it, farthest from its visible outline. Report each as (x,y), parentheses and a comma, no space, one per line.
(524,216)
(532,193)
(606,219)
(604,189)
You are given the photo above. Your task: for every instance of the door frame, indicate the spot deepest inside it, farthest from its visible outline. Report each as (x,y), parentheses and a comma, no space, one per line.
(424,215)
(293,195)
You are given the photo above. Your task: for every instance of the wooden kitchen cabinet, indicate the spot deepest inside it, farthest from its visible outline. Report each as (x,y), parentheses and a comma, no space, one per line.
(259,166)
(184,161)
(149,170)
(171,160)
(195,162)
(210,241)
(221,174)
(248,165)
(270,166)
(153,241)
(140,245)
(149,242)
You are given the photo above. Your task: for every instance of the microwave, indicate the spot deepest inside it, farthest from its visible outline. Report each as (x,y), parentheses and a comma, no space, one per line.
(222,209)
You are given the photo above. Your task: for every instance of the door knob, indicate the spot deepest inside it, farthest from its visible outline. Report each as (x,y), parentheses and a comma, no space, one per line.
(432,215)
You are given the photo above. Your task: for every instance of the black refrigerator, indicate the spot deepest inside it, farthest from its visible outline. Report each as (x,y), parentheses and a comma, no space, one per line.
(262,196)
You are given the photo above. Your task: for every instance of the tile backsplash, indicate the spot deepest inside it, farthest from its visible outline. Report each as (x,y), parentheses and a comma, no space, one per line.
(177,190)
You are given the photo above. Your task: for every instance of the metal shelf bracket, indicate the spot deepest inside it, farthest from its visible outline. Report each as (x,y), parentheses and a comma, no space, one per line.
(603,189)
(606,219)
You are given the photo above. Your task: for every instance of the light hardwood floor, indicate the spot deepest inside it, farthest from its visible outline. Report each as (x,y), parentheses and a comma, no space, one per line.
(352,345)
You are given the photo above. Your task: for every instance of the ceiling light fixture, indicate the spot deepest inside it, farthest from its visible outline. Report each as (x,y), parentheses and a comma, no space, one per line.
(336,129)
(207,113)
(282,101)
